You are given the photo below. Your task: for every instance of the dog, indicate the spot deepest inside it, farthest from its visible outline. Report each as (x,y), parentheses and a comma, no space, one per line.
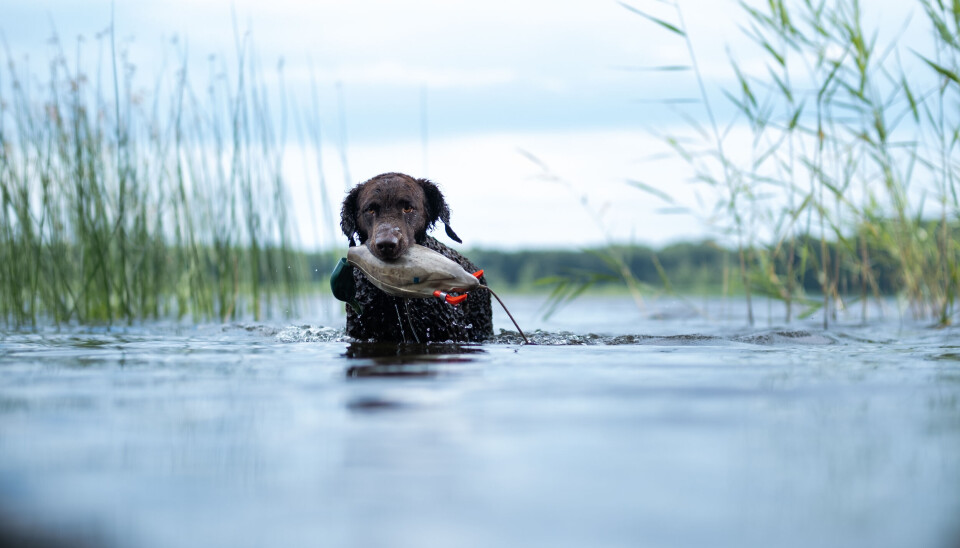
(388,214)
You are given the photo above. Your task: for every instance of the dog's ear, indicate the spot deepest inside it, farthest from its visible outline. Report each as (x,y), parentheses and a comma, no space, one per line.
(348,216)
(437,209)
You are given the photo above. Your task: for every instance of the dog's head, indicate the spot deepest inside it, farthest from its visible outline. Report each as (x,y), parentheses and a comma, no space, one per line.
(391,211)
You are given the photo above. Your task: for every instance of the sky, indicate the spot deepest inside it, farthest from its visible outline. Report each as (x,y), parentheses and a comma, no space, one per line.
(482,97)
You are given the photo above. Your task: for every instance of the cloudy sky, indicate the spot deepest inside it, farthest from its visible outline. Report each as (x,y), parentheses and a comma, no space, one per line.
(465,93)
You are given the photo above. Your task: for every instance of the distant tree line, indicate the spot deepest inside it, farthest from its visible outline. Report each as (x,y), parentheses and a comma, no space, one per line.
(705,266)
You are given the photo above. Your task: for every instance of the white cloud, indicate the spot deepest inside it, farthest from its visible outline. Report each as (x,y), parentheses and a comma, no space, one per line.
(547,68)
(499,199)
(397,74)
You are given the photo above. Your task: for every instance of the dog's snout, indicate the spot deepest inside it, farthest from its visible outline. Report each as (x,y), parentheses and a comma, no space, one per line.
(388,241)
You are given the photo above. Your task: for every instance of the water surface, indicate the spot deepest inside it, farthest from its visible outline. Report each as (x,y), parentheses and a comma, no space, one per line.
(622,427)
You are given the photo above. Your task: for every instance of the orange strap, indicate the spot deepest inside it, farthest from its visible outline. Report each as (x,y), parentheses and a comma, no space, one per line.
(454,300)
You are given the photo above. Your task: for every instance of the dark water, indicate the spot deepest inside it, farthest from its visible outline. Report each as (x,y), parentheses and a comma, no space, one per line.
(622,427)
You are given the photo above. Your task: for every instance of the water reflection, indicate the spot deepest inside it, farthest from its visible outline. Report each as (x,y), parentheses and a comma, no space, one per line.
(407,360)
(682,434)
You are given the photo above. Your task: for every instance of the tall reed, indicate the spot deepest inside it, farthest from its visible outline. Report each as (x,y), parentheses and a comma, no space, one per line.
(848,141)
(120,204)
(569,286)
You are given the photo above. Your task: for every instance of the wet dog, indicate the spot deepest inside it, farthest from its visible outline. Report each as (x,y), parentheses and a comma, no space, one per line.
(387,214)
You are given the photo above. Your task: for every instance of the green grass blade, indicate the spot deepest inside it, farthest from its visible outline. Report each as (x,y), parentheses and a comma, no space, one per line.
(661,22)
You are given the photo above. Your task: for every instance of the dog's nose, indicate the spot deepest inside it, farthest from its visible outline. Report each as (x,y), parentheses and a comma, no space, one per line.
(386,247)
(387,244)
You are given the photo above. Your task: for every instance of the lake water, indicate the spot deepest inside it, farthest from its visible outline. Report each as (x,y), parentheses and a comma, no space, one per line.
(622,427)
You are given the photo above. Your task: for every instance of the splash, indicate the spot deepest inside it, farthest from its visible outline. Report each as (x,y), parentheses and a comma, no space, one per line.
(322,334)
(313,334)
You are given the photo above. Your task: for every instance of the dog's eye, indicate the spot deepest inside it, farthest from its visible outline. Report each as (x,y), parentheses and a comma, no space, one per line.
(371,210)
(408,209)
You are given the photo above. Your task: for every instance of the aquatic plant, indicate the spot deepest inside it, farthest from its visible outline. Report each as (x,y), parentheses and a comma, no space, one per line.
(120,204)
(566,285)
(849,140)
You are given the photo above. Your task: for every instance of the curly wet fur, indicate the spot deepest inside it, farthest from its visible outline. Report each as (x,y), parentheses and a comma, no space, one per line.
(396,319)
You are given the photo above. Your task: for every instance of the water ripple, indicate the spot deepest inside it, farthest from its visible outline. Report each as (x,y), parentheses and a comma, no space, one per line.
(322,334)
